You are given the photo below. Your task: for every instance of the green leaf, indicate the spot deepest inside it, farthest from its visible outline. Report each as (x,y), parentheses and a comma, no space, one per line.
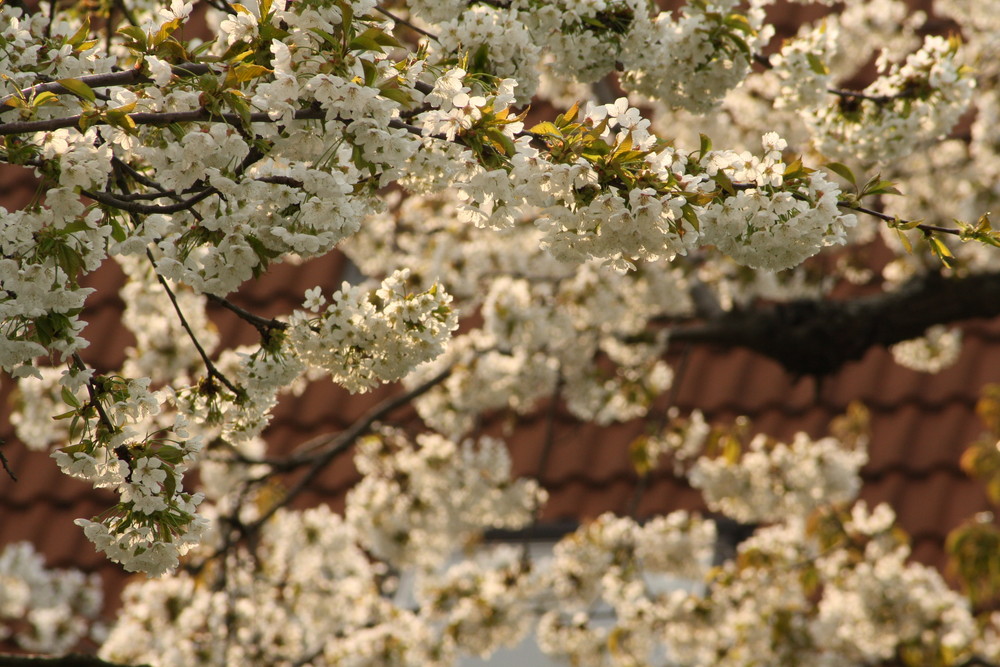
(120,119)
(501,141)
(370,70)
(170,485)
(367,41)
(118,232)
(740,22)
(75,227)
(843,171)
(78,88)
(41,99)
(385,39)
(80,35)
(480,59)
(246,72)
(548,129)
(69,398)
(724,182)
(136,34)
(941,250)
(566,118)
(165,31)
(795,169)
(169,454)
(817,65)
(879,187)
(706,144)
(905,241)
(346,12)
(687,211)
(325,36)
(88,119)
(397,95)
(623,147)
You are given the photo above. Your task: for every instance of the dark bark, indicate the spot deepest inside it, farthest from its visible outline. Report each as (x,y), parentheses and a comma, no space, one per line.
(817,336)
(71,660)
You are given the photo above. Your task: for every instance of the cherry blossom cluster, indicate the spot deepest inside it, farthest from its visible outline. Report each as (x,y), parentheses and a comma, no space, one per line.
(855,564)
(821,582)
(774,230)
(498,36)
(587,39)
(770,478)
(122,446)
(44,249)
(937,349)
(309,592)
(45,610)
(693,61)
(419,498)
(910,104)
(367,337)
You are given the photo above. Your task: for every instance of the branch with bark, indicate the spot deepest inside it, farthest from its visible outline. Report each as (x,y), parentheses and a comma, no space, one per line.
(819,336)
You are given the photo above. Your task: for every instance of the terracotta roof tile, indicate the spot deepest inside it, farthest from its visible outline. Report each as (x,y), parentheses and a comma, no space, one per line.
(664,493)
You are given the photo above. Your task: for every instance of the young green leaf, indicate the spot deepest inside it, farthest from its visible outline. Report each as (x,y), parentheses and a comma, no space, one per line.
(78,88)
(843,171)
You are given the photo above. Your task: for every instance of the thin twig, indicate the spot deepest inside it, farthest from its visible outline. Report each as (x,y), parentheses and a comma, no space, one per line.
(262,324)
(213,372)
(336,445)
(928,229)
(6,466)
(344,440)
(160,119)
(550,425)
(94,400)
(142,179)
(411,26)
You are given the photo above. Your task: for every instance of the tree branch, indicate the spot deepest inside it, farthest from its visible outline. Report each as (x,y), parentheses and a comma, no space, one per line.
(160,119)
(817,337)
(213,372)
(321,452)
(929,229)
(6,465)
(109,199)
(120,78)
(95,401)
(408,24)
(262,324)
(342,441)
(70,660)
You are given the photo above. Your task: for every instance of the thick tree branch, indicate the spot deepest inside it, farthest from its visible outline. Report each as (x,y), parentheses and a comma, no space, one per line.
(164,118)
(817,337)
(70,660)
